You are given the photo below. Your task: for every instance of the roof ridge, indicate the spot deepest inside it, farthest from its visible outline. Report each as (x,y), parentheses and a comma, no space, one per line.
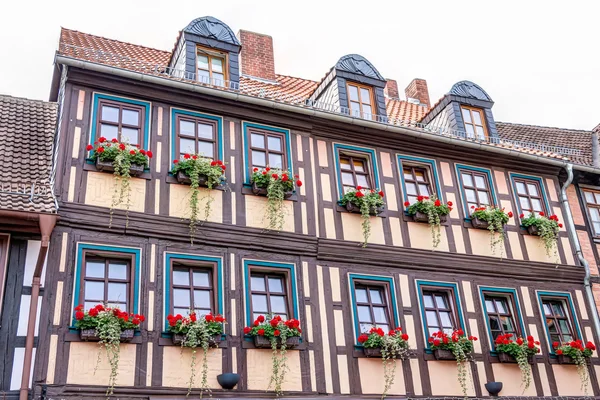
(8,96)
(115,40)
(545,127)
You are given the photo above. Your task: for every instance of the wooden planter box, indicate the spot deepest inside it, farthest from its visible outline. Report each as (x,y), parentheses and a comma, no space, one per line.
(183,178)
(533,230)
(420,217)
(479,224)
(507,358)
(374,352)
(178,339)
(91,335)
(107,166)
(259,191)
(441,354)
(565,359)
(261,342)
(374,211)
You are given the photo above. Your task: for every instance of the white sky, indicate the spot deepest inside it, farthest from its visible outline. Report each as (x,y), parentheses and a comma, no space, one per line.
(538,60)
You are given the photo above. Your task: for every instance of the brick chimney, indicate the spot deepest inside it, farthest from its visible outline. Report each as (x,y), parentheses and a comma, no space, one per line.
(417,89)
(257,55)
(391,89)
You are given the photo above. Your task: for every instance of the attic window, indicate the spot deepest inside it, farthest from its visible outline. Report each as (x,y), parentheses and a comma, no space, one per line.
(474,122)
(211,66)
(360,100)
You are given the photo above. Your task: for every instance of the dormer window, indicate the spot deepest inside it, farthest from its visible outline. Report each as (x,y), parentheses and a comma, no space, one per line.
(211,66)
(474,122)
(360,99)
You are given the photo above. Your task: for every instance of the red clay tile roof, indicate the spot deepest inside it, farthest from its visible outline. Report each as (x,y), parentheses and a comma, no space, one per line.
(26,136)
(405,111)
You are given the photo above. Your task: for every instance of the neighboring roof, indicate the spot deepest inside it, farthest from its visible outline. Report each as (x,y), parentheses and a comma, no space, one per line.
(26,136)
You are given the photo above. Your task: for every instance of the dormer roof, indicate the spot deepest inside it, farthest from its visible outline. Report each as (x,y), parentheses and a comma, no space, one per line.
(469,90)
(212,28)
(357,64)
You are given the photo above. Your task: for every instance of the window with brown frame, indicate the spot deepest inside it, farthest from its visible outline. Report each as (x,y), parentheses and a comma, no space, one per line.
(267,149)
(373,306)
(529,194)
(557,320)
(211,66)
(196,136)
(476,189)
(106,280)
(440,311)
(269,294)
(416,181)
(474,120)
(121,121)
(192,288)
(355,171)
(360,100)
(500,315)
(592,201)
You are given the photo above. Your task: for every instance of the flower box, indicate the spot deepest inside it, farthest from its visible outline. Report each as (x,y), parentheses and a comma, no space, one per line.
(441,354)
(562,359)
(91,335)
(479,223)
(374,352)
(178,339)
(421,217)
(262,191)
(183,178)
(107,166)
(261,342)
(533,230)
(507,358)
(351,207)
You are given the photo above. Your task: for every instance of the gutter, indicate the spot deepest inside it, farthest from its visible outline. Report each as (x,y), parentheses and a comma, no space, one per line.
(191,87)
(575,240)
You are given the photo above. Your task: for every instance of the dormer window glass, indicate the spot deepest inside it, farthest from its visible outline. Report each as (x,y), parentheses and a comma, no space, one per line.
(360,99)
(474,122)
(211,66)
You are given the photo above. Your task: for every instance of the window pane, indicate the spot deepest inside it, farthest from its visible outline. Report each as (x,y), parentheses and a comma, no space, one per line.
(110,114)
(594,214)
(524,201)
(361,180)
(131,117)
(551,325)
(94,291)
(187,146)
(480,132)
(206,149)
(218,79)
(365,96)
(259,303)
(345,163)
(420,175)
(202,299)
(94,269)
(471,196)
(203,76)
(502,306)
(589,197)
(258,158)
(117,292)
(364,314)
(129,135)
(597,198)
(441,302)
(355,107)
(484,198)
(476,117)
(432,331)
(597,228)
(353,91)
(507,324)
(202,61)
(521,188)
(181,277)
(359,166)
(424,189)
(467,179)
(201,278)
(547,309)
(567,338)
(431,318)
(428,300)
(537,205)
(466,115)
(367,111)
(89,304)
(494,323)
(186,128)
(274,143)
(446,320)
(347,179)
(380,315)
(557,309)
(361,295)
(205,131)
(533,191)
(411,188)
(278,304)
(275,285)
(489,306)
(117,270)
(217,65)
(480,182)
(564,326)
(275,161)
(258,283)
(109,131)
(408,174)
(365,328)
(181,298)
(376,297)
(470,131)
(257,141)
(385,327)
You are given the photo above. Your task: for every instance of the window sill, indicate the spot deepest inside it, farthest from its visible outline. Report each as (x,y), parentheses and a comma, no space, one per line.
(74,337)
(343,209)
(92,167)
(247,190)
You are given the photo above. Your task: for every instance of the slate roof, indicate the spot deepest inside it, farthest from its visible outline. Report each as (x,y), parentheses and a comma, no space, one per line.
(26,136)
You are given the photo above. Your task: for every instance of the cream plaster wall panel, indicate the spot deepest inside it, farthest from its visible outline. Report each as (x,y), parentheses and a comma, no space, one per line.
(510,376)
(329,223)
(448,386)
(390,194)
(527,301)
(515,245)
(232,136)
(80,104)
(559,214)
(58,303)
(446,173)
(101,186)
(71,192)
(52,350)
(150,315)
(299,148)
(304,218)
(536,250)
(322,152)
(544,378)
(82,362)
(234,359)
(534,332)
(500,179)
(176,369)
(420,237)
(313,373)
(581,304)
(386,165)
(258,368)
(158,157)
(157,196)
(334,277)
(551,189)
(231,167)
(256,210)
(159,124)
(149,364)
(179,197)
(468,296)
(371,377)
(326,187)
(474,331)
(76,142)
(301,177)
(567,380)
(352,224)
(152,262)
(409,329)
(63,252)
(452,198)
(232,267)
(480,244)
(589,337)
(312,168)
(416,377)
(568,250)
(342,361)
(305,279)
(396,231)
(507,205)
(309,325)
(232,322)
(459,242)
(482,376)
(324,330)
(404,290)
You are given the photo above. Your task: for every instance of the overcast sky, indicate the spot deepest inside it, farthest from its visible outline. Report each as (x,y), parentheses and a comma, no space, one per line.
(538,60)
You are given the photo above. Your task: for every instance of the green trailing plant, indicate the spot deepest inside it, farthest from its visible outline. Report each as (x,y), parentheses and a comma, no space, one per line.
(547,230)
(122,156)
(369,202)
(109,323)
(433,208)
(580,355)
(198,333)
(277,331)
(277,184)
(461,347)
(521,351)
(496,218)
(195,167)
(393,346)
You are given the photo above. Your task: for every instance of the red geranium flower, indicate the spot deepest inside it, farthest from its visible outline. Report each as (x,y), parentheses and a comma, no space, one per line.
(114,140)
(193,317)
(284,178)
(419,198)
(149,154)
(530,345)
(219,318)
(102,139)
(298,183)
(406,204)
(530,338)
(135,321)
(143,152)
(261,332)
(209,318)
(132,152)
(79,315)
(360,194)
(276,332)
(261,318)
(267,169)
(519,341)
(510,214)
(449,203)
(89,147)
(100,150)
(255,169)
(79,308)
(186,156)
(194,157)
(363,338)
(213,163)
(172,322)
(99,307)
(436,342)
(437,203)
(359,188)
(247,330)
(122,146)
(264,172)
(381,193)
(175,161)
(404,336)
(558,352)
(93,312)
(274,176)
(560,225)
(541,213)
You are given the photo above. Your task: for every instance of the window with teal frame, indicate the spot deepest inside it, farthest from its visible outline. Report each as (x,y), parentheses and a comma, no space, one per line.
(386,297)
(366,153)
(530,194)
(568,314)
(476,188)
(451,290)
(106,251)
(211,263)
(419,177)
(196,118)
(502,307)
(284,150)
